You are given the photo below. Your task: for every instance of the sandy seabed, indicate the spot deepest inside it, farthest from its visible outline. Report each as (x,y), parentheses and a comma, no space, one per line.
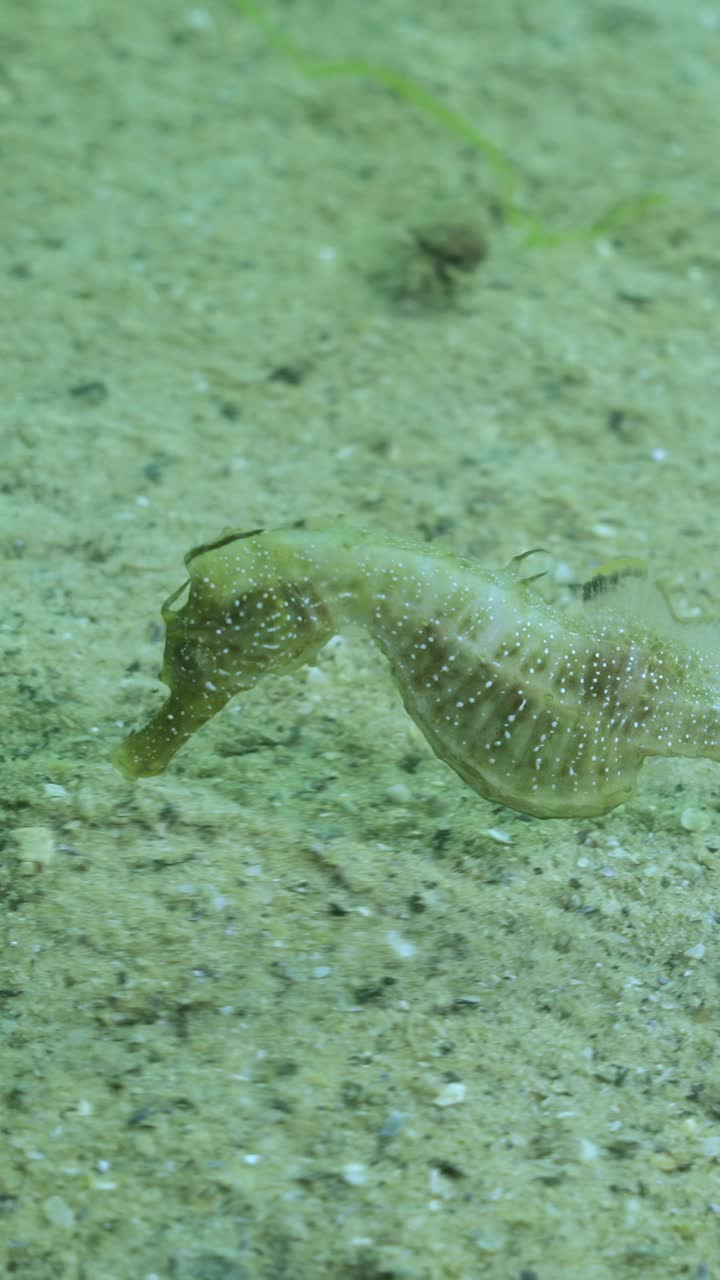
(305,1005)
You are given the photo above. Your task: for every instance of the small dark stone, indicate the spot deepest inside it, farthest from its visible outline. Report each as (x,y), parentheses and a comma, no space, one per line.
(292,374)
(452,246)
(90,392)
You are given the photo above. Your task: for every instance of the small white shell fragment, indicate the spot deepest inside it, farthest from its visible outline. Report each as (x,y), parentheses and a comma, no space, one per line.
(399,793)
(35,848)
(59,1213)
(500,837)
(450,1095)
(198,19)
(692,819)
(392,1125)
(400,945)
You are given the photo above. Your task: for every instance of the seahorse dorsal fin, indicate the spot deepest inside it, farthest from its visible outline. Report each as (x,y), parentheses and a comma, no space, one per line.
(613,574)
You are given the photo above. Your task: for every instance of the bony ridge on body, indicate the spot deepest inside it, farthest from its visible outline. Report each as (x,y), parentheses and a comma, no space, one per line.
(550,712)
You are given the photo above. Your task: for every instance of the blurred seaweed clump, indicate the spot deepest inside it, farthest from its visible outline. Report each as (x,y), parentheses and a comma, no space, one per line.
(510,206)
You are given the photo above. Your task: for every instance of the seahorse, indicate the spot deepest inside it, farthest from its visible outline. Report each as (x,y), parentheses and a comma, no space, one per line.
(549,711)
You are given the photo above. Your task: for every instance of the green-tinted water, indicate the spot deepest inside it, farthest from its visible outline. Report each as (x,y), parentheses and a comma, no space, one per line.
(305,1005)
